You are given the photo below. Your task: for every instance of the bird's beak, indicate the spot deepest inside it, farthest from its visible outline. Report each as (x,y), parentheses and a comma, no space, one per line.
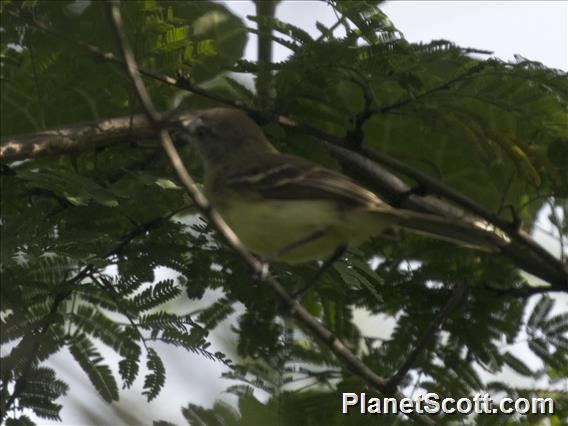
(194,124)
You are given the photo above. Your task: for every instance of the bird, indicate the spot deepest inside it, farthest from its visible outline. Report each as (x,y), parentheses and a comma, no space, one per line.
(287,208)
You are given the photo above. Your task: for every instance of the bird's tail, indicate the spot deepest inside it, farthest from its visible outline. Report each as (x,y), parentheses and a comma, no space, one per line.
(472,233)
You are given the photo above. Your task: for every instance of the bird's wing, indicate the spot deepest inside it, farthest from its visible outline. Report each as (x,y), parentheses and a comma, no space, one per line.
(280,176)
(295,178)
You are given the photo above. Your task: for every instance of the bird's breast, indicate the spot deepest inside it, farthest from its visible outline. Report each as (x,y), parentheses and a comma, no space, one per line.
(266,226)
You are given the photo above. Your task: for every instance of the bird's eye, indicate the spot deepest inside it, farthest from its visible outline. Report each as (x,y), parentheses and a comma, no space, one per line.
(203,131)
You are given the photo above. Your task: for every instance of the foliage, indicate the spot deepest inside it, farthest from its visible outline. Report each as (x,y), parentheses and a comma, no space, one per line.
(84,234)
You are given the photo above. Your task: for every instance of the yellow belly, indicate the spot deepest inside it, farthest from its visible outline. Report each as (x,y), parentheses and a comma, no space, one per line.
(266,227)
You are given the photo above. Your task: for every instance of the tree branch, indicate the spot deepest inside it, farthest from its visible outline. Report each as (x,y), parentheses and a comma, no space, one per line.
(264,9)
(72,139)
(305,319)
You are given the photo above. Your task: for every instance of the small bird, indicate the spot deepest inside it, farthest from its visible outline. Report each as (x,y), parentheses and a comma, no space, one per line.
(289,209)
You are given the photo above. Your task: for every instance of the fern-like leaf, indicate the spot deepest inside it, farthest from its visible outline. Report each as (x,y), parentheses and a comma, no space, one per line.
(128,369)
(156,295)
(154,381)
(20,421)
(214,314)
(164,320)
(296,33)
(42,388)
(90,360)
(540,312)
(517,364)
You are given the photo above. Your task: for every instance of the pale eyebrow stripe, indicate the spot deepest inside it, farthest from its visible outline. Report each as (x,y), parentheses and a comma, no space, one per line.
(258,177)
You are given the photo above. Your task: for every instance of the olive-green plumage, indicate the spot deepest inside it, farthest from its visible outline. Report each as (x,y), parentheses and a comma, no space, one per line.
(272,200)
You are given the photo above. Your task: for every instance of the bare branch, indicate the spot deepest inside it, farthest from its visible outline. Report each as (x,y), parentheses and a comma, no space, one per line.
(74,139)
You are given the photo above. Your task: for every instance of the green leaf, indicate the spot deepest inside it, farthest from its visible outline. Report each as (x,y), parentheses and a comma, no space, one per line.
(156,295)
(164,320)
(89,359)
(296,33)
(22,420)
(556,326)
(517,364)
(540,312)
(167,184)
(78,190)
(222,414)
(540,348)
(128,369)
(214,314)
(154,381)
(41,389)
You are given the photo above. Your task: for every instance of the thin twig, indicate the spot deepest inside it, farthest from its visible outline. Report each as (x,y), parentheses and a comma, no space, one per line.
(354,137)
(522,292)
(340,20)
(443,86)
(427,334)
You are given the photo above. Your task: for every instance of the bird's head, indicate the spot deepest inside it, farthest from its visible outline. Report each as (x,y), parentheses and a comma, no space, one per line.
(220,133)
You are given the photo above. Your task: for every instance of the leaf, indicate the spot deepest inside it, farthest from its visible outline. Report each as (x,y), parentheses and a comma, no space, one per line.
(162,423)
(223,33)
(128,369)
(540,312)
(156,295)
(41,389)
(241,91)
(214,314)
(95,323)
(51,270)
(167,184)
(87,356)
(373,24)
(22,420)
(540,348)
(517,364)
(78,190)
(222,414)
(556,326)
(165,320)
(296,33)
(154,381)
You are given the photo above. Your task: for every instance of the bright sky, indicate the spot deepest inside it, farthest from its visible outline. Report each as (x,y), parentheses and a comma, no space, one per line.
(537,30)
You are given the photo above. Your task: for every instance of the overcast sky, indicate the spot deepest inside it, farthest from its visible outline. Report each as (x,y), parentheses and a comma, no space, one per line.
(536,30)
